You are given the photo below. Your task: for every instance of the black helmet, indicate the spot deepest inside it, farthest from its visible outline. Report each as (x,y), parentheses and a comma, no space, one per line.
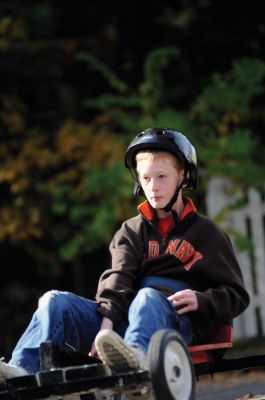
(168,140)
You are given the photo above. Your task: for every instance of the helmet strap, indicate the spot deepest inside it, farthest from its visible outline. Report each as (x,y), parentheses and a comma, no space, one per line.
(170,204)
(137,190)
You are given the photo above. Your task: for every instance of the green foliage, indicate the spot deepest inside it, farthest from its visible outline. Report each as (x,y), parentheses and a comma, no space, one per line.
(107,101)
(221,122)
(131,109)
(21,22)
(228,97)
(151,90)
(69,188)
(94,63)
(233,156)
(69,184)
(90,213)
(218,121)
(87,195)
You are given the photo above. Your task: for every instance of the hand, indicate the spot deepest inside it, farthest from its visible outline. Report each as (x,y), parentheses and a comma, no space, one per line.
(185,301)
(93,351)
(105,324)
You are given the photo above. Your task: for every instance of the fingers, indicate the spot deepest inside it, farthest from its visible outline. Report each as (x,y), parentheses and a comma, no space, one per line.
(185,309)
(93,351)
(105,324)
(184,300)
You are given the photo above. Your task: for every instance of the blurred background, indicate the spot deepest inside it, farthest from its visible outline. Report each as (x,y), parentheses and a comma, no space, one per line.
(79,79)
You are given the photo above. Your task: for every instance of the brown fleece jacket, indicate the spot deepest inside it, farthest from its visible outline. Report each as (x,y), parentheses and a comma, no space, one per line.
(195,251)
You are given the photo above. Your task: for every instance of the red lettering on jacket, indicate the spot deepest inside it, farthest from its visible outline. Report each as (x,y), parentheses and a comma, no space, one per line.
(185,253)
(153,250)
(172,246)
(197,256)
(182,250)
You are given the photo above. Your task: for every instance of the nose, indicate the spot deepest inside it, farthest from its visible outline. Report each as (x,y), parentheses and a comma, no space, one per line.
(153,185)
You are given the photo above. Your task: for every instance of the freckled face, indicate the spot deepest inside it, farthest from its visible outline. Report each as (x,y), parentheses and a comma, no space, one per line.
(159,179)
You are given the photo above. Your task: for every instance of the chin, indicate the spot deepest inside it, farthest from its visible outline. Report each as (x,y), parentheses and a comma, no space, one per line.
(157,206)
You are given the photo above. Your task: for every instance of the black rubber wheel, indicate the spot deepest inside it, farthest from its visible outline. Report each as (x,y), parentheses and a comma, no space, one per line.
(170,366)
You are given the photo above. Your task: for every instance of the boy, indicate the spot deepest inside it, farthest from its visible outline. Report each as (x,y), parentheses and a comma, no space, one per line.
(171,268)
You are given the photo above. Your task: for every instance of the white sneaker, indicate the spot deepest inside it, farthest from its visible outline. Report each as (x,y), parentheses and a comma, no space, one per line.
(117,354)
(8,371)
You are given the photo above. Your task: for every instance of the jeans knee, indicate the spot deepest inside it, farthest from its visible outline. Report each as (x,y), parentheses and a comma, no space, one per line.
(148,292)
(147,295)
(152,306)
(53,297)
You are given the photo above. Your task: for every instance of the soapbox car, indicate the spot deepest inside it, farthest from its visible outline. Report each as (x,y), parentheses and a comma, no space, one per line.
(173,370)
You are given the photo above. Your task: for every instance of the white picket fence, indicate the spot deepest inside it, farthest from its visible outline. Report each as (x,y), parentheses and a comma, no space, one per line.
(249,221)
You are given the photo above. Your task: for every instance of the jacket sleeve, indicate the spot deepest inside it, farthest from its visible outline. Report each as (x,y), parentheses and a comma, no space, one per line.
(117,284)
(224,296)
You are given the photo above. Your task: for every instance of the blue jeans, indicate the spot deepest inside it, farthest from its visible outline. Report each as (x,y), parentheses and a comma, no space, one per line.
(64,317)
(151,311)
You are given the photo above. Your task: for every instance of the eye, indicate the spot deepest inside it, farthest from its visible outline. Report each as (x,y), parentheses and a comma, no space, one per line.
(162,176)
(145,178)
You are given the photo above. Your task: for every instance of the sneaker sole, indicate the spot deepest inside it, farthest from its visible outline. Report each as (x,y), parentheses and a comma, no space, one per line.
(114,353)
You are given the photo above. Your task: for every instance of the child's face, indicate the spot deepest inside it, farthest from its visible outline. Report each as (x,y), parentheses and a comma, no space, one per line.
(159,179)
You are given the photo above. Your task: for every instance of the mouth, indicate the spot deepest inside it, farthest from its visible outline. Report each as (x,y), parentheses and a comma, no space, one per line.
(155,198)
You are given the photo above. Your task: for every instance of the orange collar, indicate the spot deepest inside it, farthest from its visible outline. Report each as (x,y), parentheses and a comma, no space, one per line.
(148,212)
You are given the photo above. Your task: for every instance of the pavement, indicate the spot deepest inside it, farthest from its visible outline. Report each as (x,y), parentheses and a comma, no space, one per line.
(232,386)
(236,385)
